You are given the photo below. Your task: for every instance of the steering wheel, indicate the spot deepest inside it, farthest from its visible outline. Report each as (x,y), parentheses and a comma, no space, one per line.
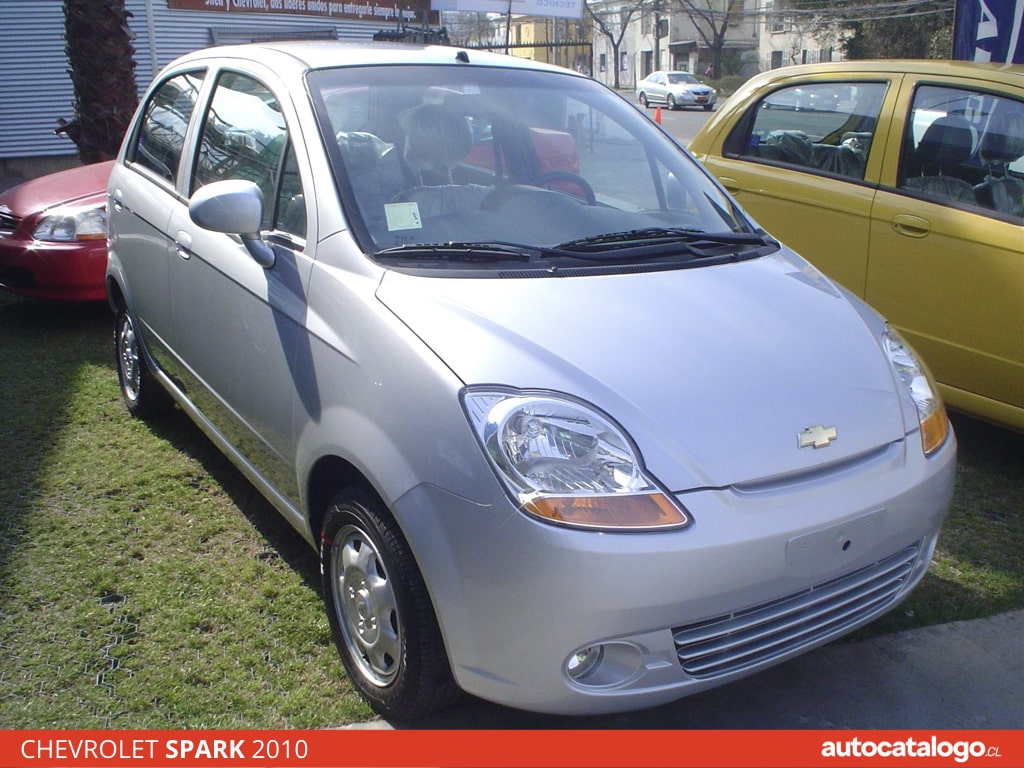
(546,179)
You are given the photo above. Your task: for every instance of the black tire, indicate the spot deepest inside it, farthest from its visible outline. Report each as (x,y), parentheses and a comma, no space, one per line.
(708,107)
(643,100)
(670,101)
(144,398)
(381,618)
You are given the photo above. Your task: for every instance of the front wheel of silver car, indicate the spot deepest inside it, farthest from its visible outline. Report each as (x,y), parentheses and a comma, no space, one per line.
(380,613)
(143,397)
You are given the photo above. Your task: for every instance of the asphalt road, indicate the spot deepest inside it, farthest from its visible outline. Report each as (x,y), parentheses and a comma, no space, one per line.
(682,123)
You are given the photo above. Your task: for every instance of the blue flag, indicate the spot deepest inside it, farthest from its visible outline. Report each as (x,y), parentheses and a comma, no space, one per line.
(989,30)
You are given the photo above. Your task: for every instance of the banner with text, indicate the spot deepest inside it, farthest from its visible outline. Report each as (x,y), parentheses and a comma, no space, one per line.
(411,11)
(989,30)
(512,749)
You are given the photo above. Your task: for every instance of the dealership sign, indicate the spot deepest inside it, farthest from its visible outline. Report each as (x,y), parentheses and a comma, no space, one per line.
(379,10)
(989,30)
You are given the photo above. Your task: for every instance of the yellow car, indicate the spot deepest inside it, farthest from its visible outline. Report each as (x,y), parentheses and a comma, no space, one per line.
(904,181)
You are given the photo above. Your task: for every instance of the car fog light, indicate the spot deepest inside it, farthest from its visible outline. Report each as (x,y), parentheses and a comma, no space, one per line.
(604,665)
(582,663)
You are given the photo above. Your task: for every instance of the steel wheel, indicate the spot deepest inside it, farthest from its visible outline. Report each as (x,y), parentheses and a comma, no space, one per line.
(142,395)
(382,620)
(368,612)
(129,367)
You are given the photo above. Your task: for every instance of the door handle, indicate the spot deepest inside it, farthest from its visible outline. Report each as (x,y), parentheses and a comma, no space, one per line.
(731,184)
(911,226)
(183,244)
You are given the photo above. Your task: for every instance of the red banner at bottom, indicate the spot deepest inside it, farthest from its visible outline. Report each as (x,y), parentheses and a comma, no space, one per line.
(510,749)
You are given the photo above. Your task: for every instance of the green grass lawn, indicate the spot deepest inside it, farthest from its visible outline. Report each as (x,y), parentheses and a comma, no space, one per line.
(145,584)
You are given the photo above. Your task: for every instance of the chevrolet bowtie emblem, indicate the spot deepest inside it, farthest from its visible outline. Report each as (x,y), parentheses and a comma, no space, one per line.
(817,436)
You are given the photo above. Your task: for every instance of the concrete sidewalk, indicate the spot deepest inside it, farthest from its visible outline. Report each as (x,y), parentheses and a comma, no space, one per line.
(952,676)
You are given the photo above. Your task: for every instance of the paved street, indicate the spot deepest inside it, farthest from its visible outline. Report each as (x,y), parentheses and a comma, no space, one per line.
(683,124)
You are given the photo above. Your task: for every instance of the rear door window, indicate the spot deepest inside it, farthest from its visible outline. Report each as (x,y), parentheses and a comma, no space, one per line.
(965,147)
(160,139)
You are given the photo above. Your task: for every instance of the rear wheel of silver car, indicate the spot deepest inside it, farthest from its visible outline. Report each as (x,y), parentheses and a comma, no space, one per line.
(379,610)
(643,99)
(143,396)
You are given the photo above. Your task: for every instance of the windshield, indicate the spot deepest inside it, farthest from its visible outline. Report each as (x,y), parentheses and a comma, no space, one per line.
(512,158)
(679,78)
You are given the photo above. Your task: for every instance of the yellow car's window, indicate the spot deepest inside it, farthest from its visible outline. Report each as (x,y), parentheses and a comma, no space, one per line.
(965,147)
(820,127)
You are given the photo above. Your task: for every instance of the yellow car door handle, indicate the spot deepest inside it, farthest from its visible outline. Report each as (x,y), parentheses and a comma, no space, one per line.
(730,184)
(911,226)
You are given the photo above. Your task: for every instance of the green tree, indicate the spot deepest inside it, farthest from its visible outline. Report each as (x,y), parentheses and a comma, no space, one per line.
(102,70)
(881,29)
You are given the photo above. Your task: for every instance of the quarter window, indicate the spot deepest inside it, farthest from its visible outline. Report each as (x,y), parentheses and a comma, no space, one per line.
(818,127)
(161,136)
(965,147)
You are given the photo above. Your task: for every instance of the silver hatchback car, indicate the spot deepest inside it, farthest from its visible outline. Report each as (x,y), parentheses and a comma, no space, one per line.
(567,429)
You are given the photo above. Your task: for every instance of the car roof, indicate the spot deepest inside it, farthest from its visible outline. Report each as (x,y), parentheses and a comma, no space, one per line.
(938,68)
(306,55)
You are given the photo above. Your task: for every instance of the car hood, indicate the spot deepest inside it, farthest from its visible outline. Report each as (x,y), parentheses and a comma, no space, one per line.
(714,371)
(85,184)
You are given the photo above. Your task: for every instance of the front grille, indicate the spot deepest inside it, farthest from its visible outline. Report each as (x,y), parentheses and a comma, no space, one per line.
(742,640)
(8,223)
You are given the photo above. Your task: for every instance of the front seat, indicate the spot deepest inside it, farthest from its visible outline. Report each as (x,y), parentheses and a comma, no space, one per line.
(946,144)
(435,141)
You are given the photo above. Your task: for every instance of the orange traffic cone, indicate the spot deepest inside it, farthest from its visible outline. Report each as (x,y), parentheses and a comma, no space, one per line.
(657,115)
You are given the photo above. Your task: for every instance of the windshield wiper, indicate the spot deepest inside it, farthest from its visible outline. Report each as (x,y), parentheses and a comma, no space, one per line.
(635,245)
(459,252)
(613,241)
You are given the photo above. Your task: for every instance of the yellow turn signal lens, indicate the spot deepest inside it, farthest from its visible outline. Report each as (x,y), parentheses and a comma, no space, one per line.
(934,430)
(614,511)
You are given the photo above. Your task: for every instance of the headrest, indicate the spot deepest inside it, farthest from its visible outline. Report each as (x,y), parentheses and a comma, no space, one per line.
(1003,140)
(435,138)
(947,141)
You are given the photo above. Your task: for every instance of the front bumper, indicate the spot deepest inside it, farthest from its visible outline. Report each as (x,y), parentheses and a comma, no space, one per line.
(763,575)
(54,271)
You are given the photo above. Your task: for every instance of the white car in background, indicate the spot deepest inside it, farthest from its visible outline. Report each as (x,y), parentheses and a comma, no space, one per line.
(675,90)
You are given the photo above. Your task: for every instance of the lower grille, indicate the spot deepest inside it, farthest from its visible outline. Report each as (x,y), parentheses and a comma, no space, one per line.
(17,277)
(741,640)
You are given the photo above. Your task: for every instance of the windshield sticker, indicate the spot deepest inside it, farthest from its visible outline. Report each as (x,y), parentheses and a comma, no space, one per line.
(402,216)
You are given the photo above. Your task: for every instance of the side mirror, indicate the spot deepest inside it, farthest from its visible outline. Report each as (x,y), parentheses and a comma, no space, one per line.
(234,207)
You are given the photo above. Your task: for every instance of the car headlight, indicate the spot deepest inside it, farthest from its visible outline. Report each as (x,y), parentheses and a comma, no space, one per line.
(915,376)
(68,225)
(564,462)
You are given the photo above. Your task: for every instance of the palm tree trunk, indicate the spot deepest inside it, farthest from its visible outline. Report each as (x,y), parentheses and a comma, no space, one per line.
(102,70)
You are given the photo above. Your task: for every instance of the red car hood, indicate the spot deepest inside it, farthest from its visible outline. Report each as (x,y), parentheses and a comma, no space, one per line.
(72,186)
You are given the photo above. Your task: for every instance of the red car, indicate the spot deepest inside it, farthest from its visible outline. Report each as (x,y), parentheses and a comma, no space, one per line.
(53,235)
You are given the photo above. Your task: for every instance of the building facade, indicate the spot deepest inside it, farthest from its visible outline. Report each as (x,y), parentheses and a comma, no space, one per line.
(659,34)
